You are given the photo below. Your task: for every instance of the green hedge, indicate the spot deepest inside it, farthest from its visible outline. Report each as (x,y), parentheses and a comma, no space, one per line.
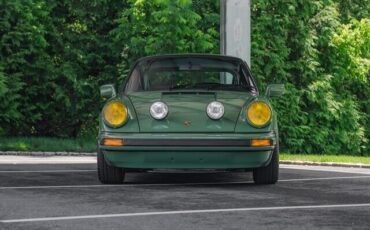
(320,50)
(55,54)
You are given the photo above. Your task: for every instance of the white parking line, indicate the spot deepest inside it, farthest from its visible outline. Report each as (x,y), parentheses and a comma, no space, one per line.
(365,171)
(46,160)
(340,206)
(325,178)
(66,186)
(46,171)
(175,184)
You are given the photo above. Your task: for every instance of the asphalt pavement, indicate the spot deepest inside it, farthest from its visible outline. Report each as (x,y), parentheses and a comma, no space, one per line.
(69,196)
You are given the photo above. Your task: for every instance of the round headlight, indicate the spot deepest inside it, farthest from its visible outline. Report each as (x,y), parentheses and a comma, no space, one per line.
(158,110)
(215,110)
(115,113)
(259,113)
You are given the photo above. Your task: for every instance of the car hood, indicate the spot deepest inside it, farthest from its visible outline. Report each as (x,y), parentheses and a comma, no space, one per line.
(187,111)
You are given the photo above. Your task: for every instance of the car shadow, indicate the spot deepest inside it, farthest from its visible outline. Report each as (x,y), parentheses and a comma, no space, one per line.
(206,178)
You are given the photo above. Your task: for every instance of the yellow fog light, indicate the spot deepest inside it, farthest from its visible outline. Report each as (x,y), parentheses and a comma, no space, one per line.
(115,113)
(112,142)
(261,142)
(259,113)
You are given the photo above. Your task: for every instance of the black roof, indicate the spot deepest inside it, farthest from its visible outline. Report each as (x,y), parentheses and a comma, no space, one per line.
(191,55)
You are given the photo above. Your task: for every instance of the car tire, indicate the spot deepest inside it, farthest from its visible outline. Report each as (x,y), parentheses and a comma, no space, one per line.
(268,174)
(108,174)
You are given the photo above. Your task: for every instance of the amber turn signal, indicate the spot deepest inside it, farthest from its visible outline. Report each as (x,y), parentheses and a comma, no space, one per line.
(261,142)
(112,142)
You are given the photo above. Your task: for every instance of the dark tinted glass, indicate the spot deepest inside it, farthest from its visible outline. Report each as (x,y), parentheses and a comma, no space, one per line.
(188,74)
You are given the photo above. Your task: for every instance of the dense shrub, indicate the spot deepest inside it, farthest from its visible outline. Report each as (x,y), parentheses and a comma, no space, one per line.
(325,64)
(22,64)
(161,27)
(54,55)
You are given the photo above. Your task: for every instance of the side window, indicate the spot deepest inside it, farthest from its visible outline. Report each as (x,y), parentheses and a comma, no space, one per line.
(247,80)
(227,78)
(135,83)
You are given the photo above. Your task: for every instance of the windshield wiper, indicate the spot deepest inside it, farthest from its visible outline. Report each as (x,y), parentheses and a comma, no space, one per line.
(213,86)
(183,86)
(205,85)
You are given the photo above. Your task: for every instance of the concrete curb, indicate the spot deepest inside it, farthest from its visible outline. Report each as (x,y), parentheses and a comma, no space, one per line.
(44,154)
(333,164)
(50,154)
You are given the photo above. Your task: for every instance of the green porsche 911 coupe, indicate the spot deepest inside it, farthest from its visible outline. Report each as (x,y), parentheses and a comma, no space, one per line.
(188,112)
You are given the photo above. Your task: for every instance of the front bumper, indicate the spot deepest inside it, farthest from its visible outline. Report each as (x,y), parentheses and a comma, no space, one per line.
(188,151)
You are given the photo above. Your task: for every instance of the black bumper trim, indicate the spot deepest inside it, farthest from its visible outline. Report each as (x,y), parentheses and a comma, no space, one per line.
(187,142)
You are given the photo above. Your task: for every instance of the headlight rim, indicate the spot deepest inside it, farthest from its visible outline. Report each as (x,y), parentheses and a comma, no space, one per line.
(248,119)
(125,109)
(159,119)
(222,115)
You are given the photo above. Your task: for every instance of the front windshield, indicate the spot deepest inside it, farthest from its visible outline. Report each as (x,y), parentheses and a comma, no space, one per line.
(182,73)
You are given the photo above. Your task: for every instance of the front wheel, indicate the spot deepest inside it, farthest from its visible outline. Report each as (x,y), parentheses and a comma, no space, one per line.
(270,173)
(109,174)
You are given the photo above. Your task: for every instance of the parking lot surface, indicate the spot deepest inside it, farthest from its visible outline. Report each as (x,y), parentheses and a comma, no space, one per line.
(69,196)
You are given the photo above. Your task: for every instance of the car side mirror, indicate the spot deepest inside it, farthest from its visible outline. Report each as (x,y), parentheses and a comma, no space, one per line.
(275,90)
(107,91)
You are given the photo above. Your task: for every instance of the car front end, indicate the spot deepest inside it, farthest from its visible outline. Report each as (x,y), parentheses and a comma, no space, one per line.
(187,112)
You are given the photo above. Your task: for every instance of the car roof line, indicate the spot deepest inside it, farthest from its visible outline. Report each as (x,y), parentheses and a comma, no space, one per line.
(190,55)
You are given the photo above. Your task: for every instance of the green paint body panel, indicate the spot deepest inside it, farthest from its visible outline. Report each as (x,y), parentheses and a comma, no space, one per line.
(182,159)
(188,106)
(188,157)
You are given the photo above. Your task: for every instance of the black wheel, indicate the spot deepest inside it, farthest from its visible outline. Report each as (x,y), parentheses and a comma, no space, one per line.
(109,174)
(270,173)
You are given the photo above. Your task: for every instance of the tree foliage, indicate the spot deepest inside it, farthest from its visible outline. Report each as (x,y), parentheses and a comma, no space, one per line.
(55,54)
(320,50)
(22,60)
(161,27)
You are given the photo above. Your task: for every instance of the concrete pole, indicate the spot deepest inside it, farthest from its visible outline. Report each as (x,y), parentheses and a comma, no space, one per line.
(235,28)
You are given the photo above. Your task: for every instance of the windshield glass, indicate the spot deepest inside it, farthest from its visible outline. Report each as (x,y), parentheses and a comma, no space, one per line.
(180,73)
